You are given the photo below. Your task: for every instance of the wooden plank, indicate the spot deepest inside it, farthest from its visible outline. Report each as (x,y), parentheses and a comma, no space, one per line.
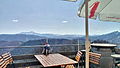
(94,57)
(54,60)
(40,59)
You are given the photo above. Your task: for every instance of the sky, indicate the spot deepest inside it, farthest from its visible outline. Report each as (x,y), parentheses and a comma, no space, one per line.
(48,16)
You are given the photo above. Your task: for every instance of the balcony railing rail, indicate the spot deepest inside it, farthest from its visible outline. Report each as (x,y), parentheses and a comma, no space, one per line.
(53,45)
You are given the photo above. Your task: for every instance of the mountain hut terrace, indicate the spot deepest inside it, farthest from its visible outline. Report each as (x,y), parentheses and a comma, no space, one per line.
(23,56)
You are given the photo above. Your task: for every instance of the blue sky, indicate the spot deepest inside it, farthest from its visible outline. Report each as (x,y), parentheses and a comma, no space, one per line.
(48,16)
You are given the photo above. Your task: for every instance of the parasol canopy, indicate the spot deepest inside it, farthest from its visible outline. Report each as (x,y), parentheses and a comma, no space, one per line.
(105,10)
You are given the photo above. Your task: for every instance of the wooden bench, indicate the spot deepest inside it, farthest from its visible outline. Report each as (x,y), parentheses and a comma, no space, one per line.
(2,63)
(77,58)
(5,59)
(94,58)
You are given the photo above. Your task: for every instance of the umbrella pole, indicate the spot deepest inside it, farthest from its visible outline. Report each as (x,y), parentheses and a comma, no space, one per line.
(87,42)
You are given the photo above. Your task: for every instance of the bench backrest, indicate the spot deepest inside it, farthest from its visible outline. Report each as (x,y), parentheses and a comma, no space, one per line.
(2,63)
(7,58)
(78,56)
(94,58)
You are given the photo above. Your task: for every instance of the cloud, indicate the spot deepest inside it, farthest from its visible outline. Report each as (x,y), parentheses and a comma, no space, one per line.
(64,21)
(15,20)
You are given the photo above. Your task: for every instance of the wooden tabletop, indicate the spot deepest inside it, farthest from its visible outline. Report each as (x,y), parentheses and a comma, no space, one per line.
(54,60)
(103,45)
(116,55)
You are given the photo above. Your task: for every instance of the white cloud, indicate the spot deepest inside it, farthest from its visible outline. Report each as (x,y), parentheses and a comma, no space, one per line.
(15,20)
(64,21)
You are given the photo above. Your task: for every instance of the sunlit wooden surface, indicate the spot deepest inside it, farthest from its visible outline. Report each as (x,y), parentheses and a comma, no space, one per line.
(54,60)
(116,55)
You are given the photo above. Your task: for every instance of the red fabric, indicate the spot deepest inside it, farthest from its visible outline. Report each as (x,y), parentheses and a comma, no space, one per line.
(93,9)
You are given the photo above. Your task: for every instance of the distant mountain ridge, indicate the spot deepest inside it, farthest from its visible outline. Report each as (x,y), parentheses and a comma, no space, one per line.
(26,36)
(113,37)
(18,37)
(52,35)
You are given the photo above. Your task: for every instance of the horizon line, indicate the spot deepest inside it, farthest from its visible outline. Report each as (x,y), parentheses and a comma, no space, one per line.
(58,33)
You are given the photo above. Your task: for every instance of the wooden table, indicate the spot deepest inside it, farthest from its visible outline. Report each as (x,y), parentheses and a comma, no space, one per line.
(54,60)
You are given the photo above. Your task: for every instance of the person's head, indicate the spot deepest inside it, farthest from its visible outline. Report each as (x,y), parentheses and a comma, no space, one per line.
(46,43)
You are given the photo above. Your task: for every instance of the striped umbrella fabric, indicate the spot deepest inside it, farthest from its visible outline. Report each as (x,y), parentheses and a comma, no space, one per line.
(105,10)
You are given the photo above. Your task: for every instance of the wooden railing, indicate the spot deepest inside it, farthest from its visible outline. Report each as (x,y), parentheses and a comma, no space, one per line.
(37,49)
(53,45)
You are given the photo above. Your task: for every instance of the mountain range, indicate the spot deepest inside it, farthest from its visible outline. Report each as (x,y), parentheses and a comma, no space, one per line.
(113,37)
(57,36)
